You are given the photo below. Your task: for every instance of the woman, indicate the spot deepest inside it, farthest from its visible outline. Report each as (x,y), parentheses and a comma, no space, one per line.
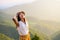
(22,26)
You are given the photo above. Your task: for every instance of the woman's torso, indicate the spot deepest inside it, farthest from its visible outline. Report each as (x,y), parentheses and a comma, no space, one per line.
(23,28)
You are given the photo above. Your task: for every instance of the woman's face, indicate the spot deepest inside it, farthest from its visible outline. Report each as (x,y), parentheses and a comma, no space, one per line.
(22,16)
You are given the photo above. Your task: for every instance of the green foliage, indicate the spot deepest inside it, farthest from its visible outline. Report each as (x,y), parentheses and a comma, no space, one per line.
(35,37)
(10,31)
(4,37)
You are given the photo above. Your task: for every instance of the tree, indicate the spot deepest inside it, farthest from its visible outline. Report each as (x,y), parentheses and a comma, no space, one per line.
(35,37)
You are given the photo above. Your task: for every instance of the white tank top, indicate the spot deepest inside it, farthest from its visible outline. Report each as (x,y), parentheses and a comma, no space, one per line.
(23,28)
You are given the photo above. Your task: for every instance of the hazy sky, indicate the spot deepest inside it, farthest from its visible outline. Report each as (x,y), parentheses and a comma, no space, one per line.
(41,9)
(9,3)
(47,10)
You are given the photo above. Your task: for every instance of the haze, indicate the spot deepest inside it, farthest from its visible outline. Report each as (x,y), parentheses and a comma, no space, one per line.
(41,9)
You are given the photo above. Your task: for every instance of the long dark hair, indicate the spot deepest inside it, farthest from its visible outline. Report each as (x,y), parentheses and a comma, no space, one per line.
(18,18)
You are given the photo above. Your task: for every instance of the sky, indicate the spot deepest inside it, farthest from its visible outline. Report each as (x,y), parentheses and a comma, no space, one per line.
(9,3)
(41,9)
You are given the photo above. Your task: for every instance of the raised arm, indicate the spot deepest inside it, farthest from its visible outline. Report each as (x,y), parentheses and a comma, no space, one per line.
(15,21)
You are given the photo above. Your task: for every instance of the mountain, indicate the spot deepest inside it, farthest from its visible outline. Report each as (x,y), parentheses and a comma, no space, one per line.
(56,36)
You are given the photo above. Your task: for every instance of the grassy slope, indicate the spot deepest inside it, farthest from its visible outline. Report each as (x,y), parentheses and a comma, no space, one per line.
(56,36)
(47,28)
(7,26)
(4,37)
(35,28)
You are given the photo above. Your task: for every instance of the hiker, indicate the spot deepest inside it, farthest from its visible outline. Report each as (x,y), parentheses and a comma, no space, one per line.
(22,26)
